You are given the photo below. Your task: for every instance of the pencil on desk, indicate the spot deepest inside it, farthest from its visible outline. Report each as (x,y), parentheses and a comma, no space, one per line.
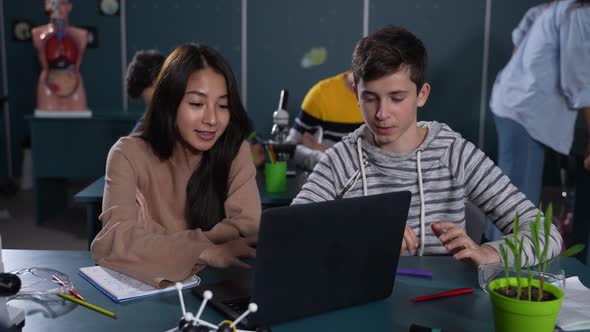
(88,305)
(449,293)
(415,273)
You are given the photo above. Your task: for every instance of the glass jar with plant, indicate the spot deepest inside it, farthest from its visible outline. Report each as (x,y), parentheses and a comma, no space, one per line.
(524,303)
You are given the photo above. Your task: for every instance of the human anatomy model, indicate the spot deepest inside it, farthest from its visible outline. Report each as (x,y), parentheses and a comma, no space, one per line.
(59,49)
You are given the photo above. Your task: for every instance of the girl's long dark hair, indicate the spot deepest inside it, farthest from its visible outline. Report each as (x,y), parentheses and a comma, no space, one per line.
(207,187)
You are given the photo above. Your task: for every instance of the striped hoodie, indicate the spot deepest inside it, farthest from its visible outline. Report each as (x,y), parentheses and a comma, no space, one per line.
(442,173)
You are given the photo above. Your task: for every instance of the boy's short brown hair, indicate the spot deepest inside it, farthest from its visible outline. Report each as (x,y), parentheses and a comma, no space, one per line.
(387,51)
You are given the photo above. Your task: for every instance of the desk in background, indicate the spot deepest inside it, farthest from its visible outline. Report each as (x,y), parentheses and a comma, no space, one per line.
(91,198)
(159,313)
(70,148)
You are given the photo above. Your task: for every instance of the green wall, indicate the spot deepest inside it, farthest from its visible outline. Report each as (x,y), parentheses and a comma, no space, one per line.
(278,41)
(279,34)
(453,34)
(163,25)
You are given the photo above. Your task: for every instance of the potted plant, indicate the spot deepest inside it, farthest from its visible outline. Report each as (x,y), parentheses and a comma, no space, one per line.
(523,303)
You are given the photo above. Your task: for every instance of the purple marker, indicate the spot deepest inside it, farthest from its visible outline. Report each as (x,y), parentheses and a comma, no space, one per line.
(415,273)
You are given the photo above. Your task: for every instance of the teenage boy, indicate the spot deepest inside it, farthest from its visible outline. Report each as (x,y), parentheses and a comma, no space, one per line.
(394,152)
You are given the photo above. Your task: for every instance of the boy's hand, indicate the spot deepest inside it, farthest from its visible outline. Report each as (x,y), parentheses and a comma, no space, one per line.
(462,246)
(409,243)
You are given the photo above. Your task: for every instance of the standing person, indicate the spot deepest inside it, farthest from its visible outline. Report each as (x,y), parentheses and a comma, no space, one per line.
(329,111)
(142,73)
(394,152)
(525,24)
(60,47)
(182,194)
(538,95)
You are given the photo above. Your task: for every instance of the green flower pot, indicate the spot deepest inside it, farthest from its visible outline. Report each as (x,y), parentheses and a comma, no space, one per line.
(514,315)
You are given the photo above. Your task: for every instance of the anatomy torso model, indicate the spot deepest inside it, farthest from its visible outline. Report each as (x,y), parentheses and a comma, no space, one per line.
(60,48)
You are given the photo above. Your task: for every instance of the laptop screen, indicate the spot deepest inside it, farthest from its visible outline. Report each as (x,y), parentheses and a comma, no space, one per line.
(316,257)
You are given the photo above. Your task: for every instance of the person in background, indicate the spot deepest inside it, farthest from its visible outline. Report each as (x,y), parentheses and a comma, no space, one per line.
(538,95)
(525,24)
(329,111)
(181,194)
(142,73)
(394,152)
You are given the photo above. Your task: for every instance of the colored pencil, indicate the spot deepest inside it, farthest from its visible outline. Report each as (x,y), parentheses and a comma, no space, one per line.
(415,273)
(273,156)
(88,305)
(449,293)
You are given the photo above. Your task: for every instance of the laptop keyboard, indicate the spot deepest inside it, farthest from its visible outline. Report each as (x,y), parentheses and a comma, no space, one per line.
(238,305)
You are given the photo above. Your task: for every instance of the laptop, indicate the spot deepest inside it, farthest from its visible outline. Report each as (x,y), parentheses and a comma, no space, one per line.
(316,257)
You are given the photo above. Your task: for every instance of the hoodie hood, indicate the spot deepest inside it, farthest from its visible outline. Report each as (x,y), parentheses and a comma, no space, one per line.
(382,160)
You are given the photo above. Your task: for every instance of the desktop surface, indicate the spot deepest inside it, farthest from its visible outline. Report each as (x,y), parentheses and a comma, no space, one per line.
(160,313)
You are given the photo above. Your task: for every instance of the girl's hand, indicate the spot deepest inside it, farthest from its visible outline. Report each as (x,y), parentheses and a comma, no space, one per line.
(229,253)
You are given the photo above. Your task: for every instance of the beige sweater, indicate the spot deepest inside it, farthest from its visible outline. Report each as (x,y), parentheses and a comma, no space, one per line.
(162,248)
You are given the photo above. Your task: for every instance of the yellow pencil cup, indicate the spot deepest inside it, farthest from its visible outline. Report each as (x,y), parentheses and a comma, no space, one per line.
(275,177)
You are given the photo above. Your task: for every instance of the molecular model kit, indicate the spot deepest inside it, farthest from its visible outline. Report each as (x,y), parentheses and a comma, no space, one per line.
(193,323)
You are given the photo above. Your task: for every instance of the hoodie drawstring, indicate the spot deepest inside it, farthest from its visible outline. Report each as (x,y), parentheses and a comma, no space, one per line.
(422,214)
(361,162)
(354,178)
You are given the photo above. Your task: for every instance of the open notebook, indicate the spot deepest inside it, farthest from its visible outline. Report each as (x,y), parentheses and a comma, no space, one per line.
(121,288)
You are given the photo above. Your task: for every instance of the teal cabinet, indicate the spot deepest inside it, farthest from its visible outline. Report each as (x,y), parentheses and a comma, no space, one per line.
(70,148)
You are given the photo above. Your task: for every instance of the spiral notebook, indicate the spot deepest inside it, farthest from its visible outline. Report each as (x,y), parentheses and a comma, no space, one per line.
(122,288)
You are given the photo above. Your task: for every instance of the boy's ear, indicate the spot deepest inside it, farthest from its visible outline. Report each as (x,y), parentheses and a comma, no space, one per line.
(423,94)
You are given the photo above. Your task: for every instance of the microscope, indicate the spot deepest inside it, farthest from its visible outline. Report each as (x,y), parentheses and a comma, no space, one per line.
(11,318)
(280,131)
(280,120)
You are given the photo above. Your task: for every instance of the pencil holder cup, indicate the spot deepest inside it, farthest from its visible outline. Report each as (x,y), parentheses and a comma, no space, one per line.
(275,176)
